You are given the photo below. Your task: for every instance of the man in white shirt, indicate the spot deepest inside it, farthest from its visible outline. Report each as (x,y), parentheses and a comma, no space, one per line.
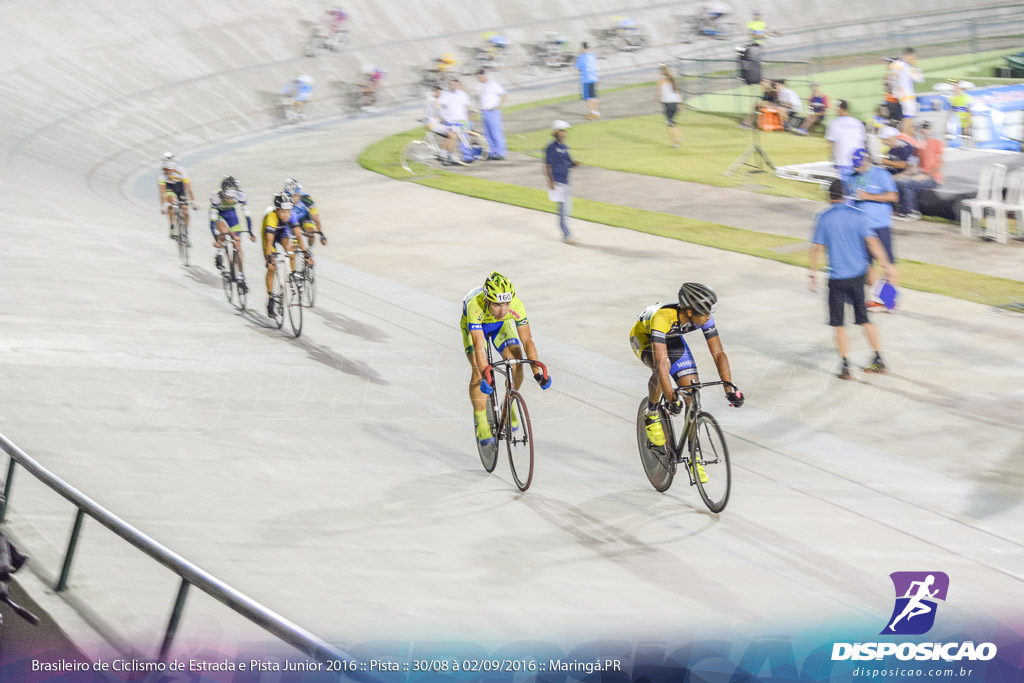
(790,103)
(455,104)
(845,135)
(903,73)
(432,117)
(492,98)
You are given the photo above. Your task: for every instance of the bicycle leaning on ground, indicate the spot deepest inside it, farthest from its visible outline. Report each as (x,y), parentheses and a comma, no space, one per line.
(701,441)
(511,424)
(422,156)
(180,227)
(287,293)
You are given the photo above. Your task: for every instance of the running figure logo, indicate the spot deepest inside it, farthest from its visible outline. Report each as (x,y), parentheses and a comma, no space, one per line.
(916,595)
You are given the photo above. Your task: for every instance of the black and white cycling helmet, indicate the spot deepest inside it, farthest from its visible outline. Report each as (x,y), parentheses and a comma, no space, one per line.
(699,298)
(292,186)
(283,201)
(229,185)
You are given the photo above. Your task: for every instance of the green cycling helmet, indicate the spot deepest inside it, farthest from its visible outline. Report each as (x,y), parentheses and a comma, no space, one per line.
(498,288)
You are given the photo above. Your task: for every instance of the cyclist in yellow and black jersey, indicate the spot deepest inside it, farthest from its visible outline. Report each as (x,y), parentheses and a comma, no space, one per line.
(657,340)
(279,227)
(173,182)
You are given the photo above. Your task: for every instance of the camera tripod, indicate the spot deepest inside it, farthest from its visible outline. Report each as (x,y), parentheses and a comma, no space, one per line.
(755,158)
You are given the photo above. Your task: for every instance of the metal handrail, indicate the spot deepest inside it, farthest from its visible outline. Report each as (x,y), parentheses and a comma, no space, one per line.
(190,574)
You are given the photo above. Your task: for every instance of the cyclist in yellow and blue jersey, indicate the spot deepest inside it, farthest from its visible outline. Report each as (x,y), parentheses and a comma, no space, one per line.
(173,182)
(227,209)
(305,212)
(657,340)
(279,227)
(494,314)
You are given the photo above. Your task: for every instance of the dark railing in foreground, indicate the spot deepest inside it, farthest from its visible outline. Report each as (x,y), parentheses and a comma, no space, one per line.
(190,574)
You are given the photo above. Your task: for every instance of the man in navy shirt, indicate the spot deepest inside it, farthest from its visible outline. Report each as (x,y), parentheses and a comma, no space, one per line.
(557,163)
(843,231)
(874,192)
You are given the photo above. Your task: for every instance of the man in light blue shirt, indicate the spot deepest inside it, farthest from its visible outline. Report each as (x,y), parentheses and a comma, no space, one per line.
(843,232)
(586,64)
(874,192)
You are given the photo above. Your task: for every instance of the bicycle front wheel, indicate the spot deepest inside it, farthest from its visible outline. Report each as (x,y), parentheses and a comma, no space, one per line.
(183,246)
(309,285)
(655,459)
(293,302)
(419,158)
(227,278)
(489,453)
(708,448)
(241,290)
(278,296)
(519,440)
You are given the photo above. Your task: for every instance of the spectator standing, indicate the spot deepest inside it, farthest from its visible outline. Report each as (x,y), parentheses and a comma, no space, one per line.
(669,96)
(874,192)
(557,162)
(842,231)
(819,107)
(928,174)
(845,135)
(492,98)
(586,64)
(903,73)
(960,103)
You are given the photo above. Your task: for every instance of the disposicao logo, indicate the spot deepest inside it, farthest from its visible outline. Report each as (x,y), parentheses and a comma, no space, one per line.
(917,596)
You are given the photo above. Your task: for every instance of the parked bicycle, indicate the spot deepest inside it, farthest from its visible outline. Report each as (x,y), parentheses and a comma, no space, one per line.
(232,278)
(322,38)
(712,21)
(287,292)
(619,38)
(552,52)
(700,446)
(180,223)
(511,424)
(427,155)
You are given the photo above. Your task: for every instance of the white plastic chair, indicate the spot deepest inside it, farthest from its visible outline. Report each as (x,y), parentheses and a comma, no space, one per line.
(989,194)
(1014,204)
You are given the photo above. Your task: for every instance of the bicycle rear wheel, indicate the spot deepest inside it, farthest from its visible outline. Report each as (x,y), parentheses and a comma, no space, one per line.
(477,148)
(489,453)
(308,284)
(293,302)
(709,449)
(654,459)
(519,440)
(419,158)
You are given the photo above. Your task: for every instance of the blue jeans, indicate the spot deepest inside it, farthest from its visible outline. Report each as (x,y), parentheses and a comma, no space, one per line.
(908,189)
(494,131)
(564,209)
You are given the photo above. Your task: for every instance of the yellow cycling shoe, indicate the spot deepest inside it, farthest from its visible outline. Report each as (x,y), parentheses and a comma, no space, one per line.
(701,474)
(655,434)
(513,418)
(483,429)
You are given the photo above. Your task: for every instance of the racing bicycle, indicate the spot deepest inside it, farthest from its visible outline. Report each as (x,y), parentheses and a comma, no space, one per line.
(180,228)
(511,424)
(700,441)
(232,277)
(287,292)
(427,155)
(306,272)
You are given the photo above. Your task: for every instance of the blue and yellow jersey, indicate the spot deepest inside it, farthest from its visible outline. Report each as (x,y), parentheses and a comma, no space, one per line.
(304,211)
(659,324)
(231,210)
(271,223)
(477,316)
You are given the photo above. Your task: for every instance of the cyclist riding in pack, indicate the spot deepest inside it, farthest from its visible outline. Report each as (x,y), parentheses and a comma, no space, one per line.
(494,314)
(657,340)
(173,182)
(305,213)
(279,226)
(227,208)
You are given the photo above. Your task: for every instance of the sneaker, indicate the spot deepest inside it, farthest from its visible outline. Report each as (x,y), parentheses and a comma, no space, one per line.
(900,216)
(699,471)
(877,367)
(655,434)
(569,239)
(483,432)
(913,216)
(875,304)
(844,373)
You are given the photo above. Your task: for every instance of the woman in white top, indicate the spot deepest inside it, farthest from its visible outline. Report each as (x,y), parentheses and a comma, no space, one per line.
(670,98)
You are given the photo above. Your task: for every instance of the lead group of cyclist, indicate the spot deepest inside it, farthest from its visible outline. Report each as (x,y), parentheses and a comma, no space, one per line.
(292,215)
(493,314)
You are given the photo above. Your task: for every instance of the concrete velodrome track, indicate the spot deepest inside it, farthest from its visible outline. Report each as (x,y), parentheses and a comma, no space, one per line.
(334,477)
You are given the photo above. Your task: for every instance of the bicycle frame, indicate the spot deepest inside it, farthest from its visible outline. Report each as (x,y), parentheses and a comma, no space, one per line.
(680,450)
(505,366)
